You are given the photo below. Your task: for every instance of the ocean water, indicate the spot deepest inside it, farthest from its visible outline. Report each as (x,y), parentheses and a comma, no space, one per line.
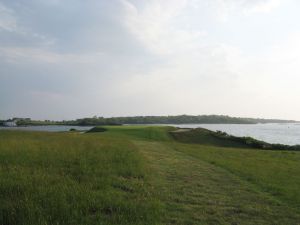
(276,133)
(50,128)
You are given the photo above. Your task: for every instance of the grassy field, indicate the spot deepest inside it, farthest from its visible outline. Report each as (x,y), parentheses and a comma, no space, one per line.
(141,175)
(71,178)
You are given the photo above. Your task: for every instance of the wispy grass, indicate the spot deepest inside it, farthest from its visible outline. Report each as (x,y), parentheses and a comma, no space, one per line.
(63,178)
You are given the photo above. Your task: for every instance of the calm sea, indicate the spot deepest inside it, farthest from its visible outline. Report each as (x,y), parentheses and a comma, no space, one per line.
(47,128)
(273,133)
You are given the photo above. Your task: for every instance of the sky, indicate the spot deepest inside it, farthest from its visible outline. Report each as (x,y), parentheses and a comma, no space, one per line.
(67,59)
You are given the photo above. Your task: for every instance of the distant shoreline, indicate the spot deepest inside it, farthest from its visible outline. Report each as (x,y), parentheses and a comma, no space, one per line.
(141,120)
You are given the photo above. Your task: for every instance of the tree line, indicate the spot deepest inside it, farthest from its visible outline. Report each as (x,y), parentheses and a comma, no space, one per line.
(181,119)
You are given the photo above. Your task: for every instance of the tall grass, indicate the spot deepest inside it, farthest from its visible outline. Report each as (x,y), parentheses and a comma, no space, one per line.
(67,178)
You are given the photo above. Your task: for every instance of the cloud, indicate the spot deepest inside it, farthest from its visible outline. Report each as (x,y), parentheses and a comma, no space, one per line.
(155,26)
(7,20)
(23,55)
(227,8)
(261,6)
(187,57)
(130,57)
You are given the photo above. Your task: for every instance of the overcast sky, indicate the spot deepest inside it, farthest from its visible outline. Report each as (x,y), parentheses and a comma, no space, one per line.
(65,59)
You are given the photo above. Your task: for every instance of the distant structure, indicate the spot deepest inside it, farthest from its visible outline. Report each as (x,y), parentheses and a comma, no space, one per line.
(10,123)
(18,118)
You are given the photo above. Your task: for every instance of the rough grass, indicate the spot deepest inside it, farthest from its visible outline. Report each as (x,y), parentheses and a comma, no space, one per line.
(140,175)
(67,178)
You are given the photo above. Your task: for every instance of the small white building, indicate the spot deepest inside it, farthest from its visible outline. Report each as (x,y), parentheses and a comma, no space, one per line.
(10,123)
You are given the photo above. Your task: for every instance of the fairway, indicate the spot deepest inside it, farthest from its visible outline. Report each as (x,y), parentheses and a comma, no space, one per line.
(141,175)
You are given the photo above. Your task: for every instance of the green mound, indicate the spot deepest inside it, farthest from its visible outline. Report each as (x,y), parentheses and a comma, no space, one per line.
(72,129)
(149,133)
(205,137)
(97,130)
(222,139)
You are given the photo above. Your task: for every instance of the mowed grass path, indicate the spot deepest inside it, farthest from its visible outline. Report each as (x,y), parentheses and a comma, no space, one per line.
(139,175)
(197,192)
(274,172)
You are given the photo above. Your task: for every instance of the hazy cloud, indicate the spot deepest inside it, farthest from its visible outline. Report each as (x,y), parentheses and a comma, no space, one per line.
(73,58)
